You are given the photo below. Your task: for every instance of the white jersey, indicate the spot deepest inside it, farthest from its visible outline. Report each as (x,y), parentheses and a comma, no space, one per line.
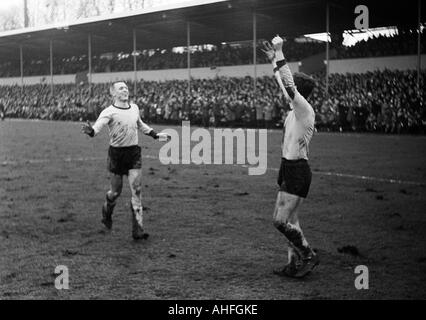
(298,129)
(123,125)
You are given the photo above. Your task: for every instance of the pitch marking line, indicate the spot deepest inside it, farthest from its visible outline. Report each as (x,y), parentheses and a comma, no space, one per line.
(324,173)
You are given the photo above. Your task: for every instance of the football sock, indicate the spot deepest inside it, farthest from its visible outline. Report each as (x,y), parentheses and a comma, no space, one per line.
(295,236)
(137,209)
(293,255)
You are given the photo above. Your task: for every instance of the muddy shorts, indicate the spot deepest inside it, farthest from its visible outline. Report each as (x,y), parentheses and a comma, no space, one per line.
(295,177)
(123,159)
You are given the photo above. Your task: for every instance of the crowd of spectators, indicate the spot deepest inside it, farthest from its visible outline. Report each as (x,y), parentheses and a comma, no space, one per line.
(380,101)
(385,101)
(69,102)
(222,55)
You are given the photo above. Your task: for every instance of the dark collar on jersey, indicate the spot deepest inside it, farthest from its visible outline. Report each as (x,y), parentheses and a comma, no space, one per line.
(122,108)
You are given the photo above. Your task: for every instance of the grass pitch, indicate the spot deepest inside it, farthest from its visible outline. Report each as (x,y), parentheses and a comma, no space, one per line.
(210,225)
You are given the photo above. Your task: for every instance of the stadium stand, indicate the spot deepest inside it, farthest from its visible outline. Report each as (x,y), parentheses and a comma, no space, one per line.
(403,43)
(157,59)
(376,102)
(380,101)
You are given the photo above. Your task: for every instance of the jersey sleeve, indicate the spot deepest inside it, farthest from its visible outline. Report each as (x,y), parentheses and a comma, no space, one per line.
(146,129)
(103,119)
(301,106)
(283,74)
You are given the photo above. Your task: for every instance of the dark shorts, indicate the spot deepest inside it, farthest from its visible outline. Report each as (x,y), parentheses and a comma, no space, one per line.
(295,177)
(123,159)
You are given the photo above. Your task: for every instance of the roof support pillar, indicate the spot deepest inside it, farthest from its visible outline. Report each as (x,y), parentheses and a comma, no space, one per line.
(188,43)
(254,52)
(419,46)
(51,65)
(21,60)
(135,65)
(327,47)
(89,58)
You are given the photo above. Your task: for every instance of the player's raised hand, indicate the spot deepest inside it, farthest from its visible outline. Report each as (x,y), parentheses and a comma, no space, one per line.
(268,50)
(277,43)
(87,129)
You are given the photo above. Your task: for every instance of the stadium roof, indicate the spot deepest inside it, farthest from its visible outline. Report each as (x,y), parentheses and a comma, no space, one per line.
(211,21)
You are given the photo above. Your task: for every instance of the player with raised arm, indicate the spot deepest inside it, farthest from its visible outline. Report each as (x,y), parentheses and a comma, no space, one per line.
(124,154)
(295,175)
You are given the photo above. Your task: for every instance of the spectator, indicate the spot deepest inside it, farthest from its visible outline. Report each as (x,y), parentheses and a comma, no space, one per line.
(381,101)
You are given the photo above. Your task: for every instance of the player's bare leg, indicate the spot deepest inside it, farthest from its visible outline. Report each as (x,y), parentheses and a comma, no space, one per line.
(286,221)
(135,182)
(111,198)
(283,212)
(293,256)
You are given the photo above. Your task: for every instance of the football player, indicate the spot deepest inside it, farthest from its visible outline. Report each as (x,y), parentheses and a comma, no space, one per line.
(124,154)
(295,175)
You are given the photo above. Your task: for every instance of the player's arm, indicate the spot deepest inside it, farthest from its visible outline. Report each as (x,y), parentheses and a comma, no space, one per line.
(284,76)
(101,122)
(271,54)
(146,129)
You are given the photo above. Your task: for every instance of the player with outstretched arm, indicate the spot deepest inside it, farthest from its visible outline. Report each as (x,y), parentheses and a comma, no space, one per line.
(124,154)
(295,175)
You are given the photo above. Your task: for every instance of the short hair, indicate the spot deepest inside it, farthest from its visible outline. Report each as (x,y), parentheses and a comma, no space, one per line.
(304,83)
(112,86)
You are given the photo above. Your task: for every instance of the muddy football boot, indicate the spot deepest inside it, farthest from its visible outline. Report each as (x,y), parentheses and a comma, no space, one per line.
(289,270)
(307,265)
(137,230)
(107,210)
